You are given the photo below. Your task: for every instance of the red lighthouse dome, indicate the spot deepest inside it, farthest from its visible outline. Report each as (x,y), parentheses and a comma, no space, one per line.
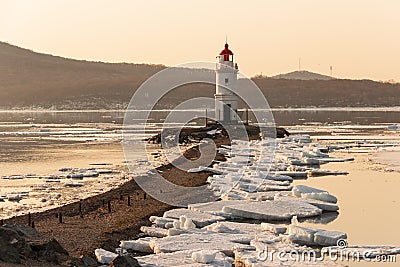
(226,53)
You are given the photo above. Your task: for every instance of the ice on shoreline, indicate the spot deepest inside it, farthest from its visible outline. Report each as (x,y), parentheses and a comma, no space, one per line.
(252,194)
(35,193)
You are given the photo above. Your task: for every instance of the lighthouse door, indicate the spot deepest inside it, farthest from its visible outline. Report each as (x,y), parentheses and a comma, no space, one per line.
(227,112)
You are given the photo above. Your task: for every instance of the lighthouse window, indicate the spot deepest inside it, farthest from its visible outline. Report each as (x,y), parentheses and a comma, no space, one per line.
(226,82)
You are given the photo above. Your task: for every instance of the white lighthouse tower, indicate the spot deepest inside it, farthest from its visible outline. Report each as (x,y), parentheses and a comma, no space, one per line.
(226,102)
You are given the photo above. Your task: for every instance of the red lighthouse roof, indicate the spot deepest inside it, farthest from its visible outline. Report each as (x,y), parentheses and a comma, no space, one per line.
(226,51)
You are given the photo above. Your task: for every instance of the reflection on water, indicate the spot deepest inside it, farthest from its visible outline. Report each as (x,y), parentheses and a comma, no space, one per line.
(334,117)
(361,116)
(325,218)
(62,117)
(369,203)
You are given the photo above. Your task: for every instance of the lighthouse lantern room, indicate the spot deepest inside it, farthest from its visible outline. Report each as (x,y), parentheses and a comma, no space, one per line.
(226,101)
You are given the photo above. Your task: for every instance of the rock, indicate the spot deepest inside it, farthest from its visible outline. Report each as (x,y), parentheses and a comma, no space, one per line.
(13,245)
(77,263)
(204,256)
(23,231)
(50,251)
(51,245)
(328,238)
(8,253)
(273,228)
(49,256)
(273,210)
(124,261)
(88,261)
(200,219)
(104,256)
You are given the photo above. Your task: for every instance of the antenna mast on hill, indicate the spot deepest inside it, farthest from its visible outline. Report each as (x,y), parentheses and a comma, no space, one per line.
(299,63)
(331,72)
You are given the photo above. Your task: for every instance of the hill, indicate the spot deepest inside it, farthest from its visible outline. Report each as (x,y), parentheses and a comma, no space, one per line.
(33,79)
(29,79)
(302,75)
(330,93)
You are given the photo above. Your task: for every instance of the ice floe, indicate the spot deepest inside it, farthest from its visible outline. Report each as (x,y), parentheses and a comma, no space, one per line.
(257,203)
(183,258)
(268,210)
(200,219)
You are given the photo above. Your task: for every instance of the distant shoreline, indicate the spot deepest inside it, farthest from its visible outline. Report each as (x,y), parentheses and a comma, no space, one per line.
(311,108)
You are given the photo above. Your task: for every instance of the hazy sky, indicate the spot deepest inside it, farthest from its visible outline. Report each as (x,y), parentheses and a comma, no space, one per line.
(359,38)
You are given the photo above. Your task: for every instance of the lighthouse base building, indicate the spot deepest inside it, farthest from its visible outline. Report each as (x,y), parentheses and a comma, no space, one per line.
(226,101)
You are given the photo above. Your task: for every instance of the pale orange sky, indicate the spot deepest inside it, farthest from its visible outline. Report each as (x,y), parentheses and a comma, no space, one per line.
(359,38)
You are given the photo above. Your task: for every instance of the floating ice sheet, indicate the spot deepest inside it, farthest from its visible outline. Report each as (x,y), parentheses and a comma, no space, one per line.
(273,210)
(202,241)
(182,258)
(200,219)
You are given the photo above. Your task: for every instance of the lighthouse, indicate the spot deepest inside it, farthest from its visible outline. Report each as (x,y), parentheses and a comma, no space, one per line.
(226,102)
